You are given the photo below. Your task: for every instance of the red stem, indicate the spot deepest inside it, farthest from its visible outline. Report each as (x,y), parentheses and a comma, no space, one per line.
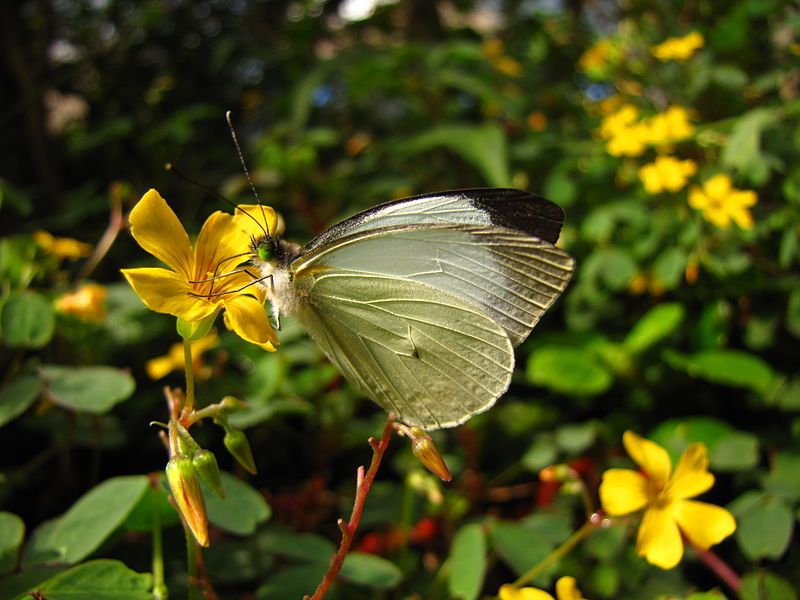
(363,485)
(719,567)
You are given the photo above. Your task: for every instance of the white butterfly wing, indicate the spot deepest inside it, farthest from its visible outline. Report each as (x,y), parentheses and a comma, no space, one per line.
(510,276)
(419,352)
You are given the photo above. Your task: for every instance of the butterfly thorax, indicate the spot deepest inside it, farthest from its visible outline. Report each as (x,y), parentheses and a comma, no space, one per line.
(273,256)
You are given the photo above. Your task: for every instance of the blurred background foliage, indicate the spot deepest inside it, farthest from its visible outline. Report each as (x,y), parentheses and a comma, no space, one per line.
(675,326)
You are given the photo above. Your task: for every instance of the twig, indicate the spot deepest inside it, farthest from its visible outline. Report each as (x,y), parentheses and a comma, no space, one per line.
(363,485)
(718,566)
(116,223)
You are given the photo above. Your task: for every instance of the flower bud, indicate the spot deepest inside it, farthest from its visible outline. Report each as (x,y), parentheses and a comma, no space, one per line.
(425,450)
(205,463)
(237,444)
(188,496)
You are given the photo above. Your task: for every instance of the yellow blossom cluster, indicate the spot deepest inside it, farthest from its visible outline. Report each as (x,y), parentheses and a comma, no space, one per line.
(566,589)
(494,50)
(61,247)
(627,135)
(87,303)
(679,49)
(593,60)
(173,360)
(666,174)
(722,203)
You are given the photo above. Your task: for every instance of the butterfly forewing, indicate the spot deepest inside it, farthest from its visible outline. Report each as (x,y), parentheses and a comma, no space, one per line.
(510,276)
(507,208)
(426,355)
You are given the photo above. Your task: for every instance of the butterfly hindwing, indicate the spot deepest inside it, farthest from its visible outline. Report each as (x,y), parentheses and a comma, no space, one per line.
(420,352)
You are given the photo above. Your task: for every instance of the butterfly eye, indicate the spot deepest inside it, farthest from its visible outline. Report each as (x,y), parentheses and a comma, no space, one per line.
(264,252)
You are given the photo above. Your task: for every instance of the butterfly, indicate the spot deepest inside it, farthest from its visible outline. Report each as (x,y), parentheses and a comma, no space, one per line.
(420,302)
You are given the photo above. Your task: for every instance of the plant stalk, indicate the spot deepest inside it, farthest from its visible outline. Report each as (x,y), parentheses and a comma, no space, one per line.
(363,485)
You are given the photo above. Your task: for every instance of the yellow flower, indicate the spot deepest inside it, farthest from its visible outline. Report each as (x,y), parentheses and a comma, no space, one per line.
(666,174)
(507,65)
(721,203)
(679,49)
(594,60)
(566,589)
(664,495)
(87,303)
(537,121)
(173,360)
(619,120)
(629,141)
(61,247)
(672,125)
(185,291)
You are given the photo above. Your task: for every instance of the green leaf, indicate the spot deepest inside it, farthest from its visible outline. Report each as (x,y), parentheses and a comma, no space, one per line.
(764,525)
(766,586)
(577,437)
(656,324)
(16,585)
(783,478)
(12,532)
(467,562)
(569,371)
(242,509)
(292,583)
(669,267)
(735,452)
(484,146)
(371,571)
(141,516)
(793,314)
(728,449)
(742,152)
(605,542)
(728,367)
(710,595)
(17,395)
(88,389)
(97,580)
(88,523)
(541,453)
(27,320)
(513,543)
(298,546)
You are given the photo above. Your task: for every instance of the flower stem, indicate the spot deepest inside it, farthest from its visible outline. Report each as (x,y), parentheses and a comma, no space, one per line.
(193,578)
(363,485)
(188,365)
(719,567)
(590,525)
(160,591)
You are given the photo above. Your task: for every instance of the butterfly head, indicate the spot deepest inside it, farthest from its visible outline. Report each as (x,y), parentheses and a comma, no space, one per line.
(272,250)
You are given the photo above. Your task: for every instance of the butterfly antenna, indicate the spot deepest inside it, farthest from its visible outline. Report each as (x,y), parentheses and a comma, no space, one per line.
(244,165)
(171,168)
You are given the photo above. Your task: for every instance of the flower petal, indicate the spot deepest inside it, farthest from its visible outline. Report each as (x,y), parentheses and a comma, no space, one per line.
(248,318)
(168,292)
(659,539)
(691,477)
(567,589)
(651,457)
(623,491)
(704,524)
(219,247)
(509,592)
(158,230)
(260,218)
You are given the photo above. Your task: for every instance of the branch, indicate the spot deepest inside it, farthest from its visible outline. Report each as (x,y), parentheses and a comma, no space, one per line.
(363,485)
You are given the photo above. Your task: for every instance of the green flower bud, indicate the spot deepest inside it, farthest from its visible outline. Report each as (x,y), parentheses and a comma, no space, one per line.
(425,450)
(205,463)
(185,487)
(237,444)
